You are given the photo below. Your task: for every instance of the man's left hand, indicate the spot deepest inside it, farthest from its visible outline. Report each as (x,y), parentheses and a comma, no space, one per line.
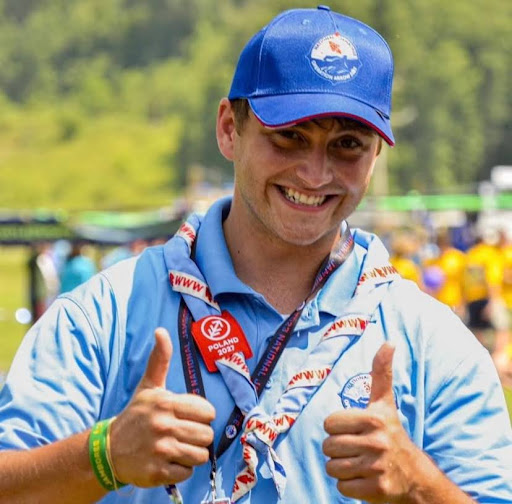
(370,453)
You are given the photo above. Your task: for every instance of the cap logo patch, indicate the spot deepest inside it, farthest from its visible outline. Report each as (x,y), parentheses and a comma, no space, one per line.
(335,58)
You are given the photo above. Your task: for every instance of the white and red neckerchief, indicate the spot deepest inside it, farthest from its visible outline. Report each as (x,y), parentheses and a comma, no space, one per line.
(262,430)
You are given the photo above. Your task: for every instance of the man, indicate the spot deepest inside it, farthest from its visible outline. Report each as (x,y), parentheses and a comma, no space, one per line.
(326,377)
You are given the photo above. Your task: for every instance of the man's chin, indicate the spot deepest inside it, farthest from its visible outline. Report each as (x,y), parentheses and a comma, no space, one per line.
(306,238)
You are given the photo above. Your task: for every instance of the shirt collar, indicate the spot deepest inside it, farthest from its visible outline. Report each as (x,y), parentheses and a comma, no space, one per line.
(212,254)
(340,287)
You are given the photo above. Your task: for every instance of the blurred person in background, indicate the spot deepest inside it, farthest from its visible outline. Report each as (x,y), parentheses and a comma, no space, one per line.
(404,247)
(298,366)
(482,289)
(77,268)
(43,277)
(463,236)
(426,244)
(450,263)
(504,357)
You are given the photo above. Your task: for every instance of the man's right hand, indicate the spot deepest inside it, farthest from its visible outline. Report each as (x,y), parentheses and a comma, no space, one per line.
(160,436)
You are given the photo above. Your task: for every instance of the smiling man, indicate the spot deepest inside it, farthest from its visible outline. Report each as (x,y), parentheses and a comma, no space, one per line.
(290,362)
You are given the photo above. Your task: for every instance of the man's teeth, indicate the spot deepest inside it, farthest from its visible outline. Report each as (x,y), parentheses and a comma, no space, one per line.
(302,199)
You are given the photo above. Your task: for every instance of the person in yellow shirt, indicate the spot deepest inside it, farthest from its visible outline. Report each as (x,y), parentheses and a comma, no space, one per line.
(450,264)
(403,246)
(482,291)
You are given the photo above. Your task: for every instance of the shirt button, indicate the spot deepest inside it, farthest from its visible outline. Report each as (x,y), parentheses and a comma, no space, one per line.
(269,383)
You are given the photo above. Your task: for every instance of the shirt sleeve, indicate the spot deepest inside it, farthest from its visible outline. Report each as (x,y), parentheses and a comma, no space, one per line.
(467,428)
(56,382)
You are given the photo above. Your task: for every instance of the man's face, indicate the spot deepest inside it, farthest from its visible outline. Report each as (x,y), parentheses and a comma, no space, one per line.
(298,183)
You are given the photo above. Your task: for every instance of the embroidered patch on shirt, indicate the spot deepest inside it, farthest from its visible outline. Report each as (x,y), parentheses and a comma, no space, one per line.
(356,392)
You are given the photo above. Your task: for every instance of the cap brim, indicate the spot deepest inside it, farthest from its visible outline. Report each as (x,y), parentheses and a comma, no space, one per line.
(283,110)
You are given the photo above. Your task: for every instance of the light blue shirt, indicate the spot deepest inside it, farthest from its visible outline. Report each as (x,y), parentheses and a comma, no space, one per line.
(83,359)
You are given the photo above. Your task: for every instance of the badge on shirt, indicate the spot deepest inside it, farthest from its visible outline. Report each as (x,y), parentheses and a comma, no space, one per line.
(356,392)
(219,336)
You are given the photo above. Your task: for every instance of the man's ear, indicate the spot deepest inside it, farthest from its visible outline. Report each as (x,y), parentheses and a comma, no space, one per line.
(226,130)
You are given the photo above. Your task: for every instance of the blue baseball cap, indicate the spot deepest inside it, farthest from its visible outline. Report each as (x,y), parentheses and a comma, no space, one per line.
(311,63)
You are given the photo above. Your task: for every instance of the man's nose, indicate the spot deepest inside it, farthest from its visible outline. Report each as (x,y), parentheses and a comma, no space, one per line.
(315,170)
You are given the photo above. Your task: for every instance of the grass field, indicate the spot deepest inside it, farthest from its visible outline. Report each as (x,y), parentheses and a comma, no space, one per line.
(14,295)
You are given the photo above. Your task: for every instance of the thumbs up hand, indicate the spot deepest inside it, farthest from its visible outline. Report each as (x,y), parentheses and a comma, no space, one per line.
(370,453)
(160,436)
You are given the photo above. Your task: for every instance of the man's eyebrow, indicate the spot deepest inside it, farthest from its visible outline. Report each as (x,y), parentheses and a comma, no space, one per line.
(344,123)
(361,129)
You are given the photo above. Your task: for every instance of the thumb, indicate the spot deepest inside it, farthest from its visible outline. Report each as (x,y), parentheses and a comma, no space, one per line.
(159,361)
(382,374)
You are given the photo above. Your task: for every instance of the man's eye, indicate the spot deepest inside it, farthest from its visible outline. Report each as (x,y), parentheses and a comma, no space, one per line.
(348,143)
(289,134)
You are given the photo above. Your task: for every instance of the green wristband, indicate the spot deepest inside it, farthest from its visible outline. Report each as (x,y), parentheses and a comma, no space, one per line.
(98,454)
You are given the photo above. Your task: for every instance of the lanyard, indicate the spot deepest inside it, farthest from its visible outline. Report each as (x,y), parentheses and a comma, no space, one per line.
(268,361)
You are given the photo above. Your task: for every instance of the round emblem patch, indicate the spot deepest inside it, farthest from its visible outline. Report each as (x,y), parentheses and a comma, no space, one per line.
(215,328)
(335,58)
(356,392)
